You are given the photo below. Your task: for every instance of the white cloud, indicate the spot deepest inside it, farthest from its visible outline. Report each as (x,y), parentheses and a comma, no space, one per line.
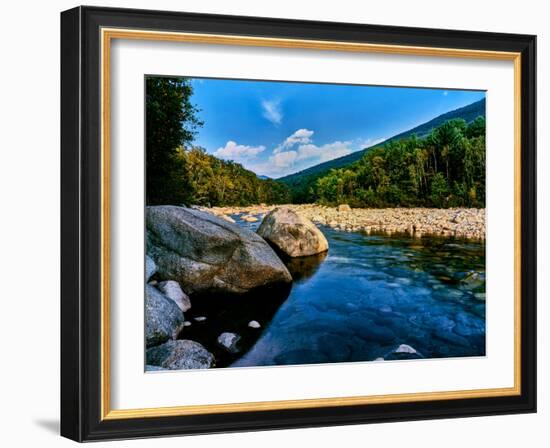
(272,111)
(283,159)
(295,153)
(301,136)
(325,152)
(236,152)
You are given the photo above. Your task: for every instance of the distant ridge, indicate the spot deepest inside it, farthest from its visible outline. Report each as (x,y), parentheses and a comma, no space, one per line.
(467,113)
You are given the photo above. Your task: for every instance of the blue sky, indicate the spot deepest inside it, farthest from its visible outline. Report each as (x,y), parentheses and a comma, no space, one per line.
(278,128)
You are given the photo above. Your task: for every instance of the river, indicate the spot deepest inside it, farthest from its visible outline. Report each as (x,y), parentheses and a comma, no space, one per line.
(371,298)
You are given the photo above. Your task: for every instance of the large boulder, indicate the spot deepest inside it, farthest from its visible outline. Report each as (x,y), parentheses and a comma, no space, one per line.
(163,319)
(205,253)
(180,354)
(292,234)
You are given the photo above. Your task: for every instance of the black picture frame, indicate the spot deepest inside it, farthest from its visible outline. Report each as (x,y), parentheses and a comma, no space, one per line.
(81,224)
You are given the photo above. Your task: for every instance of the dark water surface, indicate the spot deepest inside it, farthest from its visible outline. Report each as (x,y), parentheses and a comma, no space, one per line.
(368,296)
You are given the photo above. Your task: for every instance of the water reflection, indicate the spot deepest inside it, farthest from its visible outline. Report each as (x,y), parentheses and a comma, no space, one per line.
(369,298)
(212,315)
(377,297)
(302,268)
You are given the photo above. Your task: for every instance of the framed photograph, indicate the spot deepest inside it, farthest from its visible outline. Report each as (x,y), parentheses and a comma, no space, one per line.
(275,223)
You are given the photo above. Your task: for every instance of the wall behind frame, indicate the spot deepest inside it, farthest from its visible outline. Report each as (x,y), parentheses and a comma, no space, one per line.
(29,230)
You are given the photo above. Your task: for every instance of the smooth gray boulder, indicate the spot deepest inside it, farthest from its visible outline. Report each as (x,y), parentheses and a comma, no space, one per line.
(150,268)
(291,233)
(205,253)
(180,354)
(163,318)
(172,290)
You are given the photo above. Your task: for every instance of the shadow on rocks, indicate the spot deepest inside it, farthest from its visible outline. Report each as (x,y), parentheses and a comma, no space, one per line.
(214,314)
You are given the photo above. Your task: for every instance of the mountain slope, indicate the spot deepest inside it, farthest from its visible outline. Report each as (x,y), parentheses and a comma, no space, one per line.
(300,181)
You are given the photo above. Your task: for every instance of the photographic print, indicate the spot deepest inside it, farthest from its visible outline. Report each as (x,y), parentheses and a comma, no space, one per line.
(293,223)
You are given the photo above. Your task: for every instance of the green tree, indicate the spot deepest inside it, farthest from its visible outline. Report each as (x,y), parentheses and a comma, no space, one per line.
(171,123)
(439,190)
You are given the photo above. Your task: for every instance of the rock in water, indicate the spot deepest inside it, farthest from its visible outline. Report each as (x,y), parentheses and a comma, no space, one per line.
(292,234)
(229,341)
(150,268)
(403,351)
(205,253)
(181,354)
(172,290)
(163,318)
(405,348)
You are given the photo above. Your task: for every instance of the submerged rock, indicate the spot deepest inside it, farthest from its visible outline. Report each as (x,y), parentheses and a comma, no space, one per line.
(403,351)
(163,318)
(404,348)
(229,341)
(205,253)
(172,290)
(181,354)
(291,233)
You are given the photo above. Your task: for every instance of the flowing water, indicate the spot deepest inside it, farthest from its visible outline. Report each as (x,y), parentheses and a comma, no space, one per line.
(372,298)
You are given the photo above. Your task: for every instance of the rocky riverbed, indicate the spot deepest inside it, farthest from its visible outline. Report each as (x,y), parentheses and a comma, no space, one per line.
(466,223)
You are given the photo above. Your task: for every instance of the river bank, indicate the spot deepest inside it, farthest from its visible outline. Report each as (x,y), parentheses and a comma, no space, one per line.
(466,223)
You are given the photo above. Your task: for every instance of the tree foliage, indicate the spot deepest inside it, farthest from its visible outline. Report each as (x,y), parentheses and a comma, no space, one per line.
(177,175)
(215,182)
(444,169)
(171,122)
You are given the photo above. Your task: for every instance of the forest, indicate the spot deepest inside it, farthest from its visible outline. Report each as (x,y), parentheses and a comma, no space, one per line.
(178,172)
(445,168)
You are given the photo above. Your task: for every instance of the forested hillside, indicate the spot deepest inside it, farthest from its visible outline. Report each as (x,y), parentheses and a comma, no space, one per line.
(444,169)
(301,183)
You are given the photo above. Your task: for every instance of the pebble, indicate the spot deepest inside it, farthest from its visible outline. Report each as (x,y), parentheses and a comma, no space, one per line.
(200,319)
(254,324)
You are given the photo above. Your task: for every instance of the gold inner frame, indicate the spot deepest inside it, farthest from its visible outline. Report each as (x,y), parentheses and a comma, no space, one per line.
(107,35)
